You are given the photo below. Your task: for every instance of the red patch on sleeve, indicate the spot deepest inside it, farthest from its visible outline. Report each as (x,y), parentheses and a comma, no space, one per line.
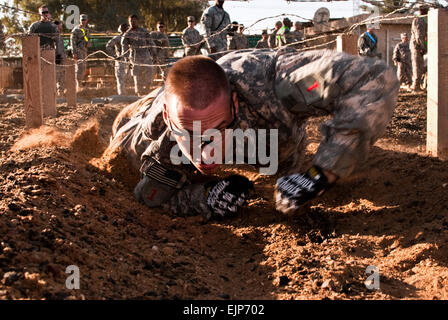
(314,86)
(153,194)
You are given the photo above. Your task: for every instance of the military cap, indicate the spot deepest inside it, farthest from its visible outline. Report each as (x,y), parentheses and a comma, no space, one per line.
(191,18)
(83,17)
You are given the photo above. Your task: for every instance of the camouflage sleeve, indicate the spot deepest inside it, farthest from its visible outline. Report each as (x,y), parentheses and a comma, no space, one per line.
(360,93)
(110,46)
(396,54)
(74,42)
(125,45)
(420,33)
(363,48)
(207,21)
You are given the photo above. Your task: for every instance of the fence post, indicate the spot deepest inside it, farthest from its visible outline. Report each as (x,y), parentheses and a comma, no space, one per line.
(31,81)
(70,83)
(48,82)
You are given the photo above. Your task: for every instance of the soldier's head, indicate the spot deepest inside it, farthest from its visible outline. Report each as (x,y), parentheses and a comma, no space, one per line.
(84,19)
(278,25)
(133,21)
(370,29)
(219,3)
(404,37)
(44,13)
(241,28)
(423,9)
(191,21)
(160,26)
(287,22)
(123,28)
(297,25)
(197,90)
(264,34)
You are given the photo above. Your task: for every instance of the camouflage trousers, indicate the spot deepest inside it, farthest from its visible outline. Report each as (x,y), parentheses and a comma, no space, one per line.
(143,77)
(121,74)
(404,73)
(60,77)
(81,67)
(218,42)
(418,68)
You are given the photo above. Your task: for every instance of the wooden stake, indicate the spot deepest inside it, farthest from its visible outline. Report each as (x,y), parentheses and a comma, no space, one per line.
(70,83)
(437,120)
(48,83)
(31,81)
(347,43)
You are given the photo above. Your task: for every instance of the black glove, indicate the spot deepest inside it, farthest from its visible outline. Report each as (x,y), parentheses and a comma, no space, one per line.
(294,190)
(225,197)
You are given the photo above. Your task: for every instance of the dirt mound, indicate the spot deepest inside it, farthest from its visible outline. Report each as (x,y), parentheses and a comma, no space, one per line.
(64,202)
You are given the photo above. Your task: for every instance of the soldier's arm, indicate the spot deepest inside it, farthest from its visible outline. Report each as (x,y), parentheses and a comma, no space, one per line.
(359,93)
(125,45)
(110,46)
(420,35)
(74,43)
(396,55)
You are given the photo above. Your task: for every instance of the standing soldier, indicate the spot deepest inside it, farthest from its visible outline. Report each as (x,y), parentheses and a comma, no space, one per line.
(137,41)
(60,61)
(80,42)
(191,38)
(215,21)
(298,34)
(284,35)
(47,30)
(113,47)
(418,47)
(273,35)
(263,42)
(402,59)
(162,43)
(238,40)
(368,43)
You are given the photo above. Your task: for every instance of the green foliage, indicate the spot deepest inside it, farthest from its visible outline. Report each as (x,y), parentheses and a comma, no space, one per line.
(107,15)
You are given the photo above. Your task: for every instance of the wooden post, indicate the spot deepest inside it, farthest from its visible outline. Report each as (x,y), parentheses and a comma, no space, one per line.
(437,120)
(48,79)
(70,83)
(347,43)
(31,81)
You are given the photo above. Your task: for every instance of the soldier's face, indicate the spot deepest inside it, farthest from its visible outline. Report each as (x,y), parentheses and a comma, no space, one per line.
(404,39)
(219,3)
(219,115)
(133,22)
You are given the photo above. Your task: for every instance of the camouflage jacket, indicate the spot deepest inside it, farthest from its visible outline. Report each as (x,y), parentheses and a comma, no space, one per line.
(162,43)
(276,90)
(262,44)
(138,43)
(273,39)
(114,48)
(237,42)
(402,54)
(191,36)
(284,37)
(49,33)
(419,35)
(79,40)
(367,46)
(215,20)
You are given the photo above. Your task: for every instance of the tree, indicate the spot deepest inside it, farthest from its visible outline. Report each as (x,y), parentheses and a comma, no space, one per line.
(106,15)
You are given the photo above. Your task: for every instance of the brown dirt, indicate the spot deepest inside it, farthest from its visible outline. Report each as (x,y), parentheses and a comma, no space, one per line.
(61,205)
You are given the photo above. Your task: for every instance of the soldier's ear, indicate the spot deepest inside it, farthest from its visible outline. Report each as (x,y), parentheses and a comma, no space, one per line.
(165,115)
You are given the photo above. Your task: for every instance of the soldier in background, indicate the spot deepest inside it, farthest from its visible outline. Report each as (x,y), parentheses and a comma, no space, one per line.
(273,35)
(47,30)
(60,61)
(216,21)
(114,48)
(402,60)
(162,43)
(191,38)
(80,42)
(284,35)
(298,34)
(419,46)
(254,89)
(238,40)
(368,43)
(138,42)
(264,41)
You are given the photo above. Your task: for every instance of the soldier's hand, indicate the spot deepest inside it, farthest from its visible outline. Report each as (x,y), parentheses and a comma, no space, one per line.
(75,56)
(227,196)
(294,190)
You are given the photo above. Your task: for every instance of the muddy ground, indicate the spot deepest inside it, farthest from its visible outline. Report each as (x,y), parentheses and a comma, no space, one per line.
(58,209)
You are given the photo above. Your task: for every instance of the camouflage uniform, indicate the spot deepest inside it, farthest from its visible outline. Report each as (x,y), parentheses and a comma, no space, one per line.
(298,36)
(215,20)
(237,41)
(141,52)
(162,43)
(284,37)
(191,36)
(48,41)
(113,47)
(366,46)
(79,40)
(418,48)
(262,44)
(402,59)
(273,91)
(60,68)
